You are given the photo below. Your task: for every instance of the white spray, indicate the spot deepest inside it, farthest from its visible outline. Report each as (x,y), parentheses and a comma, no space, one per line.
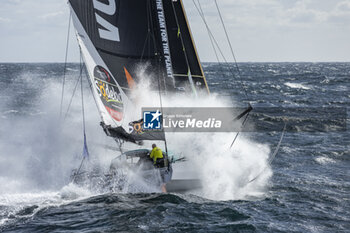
(226,172)
(41,156)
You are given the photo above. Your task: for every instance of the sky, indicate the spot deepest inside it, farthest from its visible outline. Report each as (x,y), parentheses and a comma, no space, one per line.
(259,30)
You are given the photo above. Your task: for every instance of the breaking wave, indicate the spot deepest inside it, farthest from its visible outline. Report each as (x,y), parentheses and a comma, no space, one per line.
(324,160)
(297,86)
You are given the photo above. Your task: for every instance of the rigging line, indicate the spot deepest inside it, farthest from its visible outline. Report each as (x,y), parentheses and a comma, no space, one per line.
(83,112)
(220,51)
(151,25)
(243,123)
(161,101)
(71,99)
(233,54)
(144,46)
(148,34)
(148,25)
(82,94)
(211,39)
(78,171)
(161,105)
(65,64)
(158,79)
(85,149)
(91,88)
(184,50)
(149,28)
(120,143)
(273,155)
(201,12)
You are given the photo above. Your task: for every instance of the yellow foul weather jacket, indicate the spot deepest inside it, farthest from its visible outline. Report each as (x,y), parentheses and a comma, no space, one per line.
(156,153)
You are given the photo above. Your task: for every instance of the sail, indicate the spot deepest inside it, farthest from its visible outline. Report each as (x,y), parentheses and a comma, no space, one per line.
(186,64)
(118,37)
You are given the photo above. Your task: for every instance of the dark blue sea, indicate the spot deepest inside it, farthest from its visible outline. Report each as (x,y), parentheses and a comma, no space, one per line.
(307,188)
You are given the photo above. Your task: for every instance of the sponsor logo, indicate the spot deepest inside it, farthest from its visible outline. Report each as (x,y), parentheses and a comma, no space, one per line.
(108,31)
(152,120)
(108,92)
(164,35)
(115,114)
(136,127)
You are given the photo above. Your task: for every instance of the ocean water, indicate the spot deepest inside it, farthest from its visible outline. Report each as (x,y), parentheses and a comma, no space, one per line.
(308,189)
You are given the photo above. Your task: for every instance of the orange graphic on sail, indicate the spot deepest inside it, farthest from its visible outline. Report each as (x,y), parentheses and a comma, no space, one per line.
(131,81)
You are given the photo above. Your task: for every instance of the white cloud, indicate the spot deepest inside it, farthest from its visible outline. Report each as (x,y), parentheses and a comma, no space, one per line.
(341,14)
(4,19)
(271,30)
(343,6)
(52,15)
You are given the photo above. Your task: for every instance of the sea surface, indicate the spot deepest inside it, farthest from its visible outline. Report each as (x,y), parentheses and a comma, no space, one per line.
(308,189)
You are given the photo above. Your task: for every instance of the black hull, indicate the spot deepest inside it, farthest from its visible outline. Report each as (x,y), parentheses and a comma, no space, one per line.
(182,186)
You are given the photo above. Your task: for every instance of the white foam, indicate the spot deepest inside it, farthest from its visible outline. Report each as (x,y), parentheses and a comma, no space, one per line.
(15,202)
(225,173)
(45,162)
(72,192)
(297,85)
(324,160)
(10,111)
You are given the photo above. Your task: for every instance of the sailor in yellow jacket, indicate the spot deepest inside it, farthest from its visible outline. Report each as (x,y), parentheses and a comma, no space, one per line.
(156,153)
